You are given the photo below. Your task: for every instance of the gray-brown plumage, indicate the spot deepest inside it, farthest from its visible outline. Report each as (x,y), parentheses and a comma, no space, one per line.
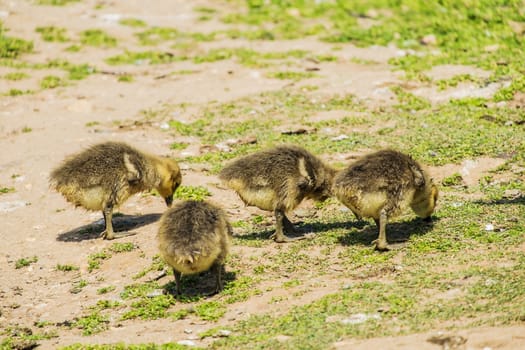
(194,237)
(278,179)
(381,184)
(105,175)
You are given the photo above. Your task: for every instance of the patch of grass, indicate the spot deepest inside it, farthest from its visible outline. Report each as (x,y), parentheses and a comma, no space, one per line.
(4,190)
(144,57)
(179,145)
(23,262)
(51,82)
(138,290)
(127,78)
(277,20)
(291,75)
(452,180)
(122,247)
(18,337)
(507,93)
(454,81)
(122,346)
(13,47)
(241,289)
(78,286)
(26,129)
(150,308)
(97,38)
(203,9)
(73,48)
(198,193)
(210,310)
(105,290)
(66,267)
(156,35)
(132,22)
(195,128)
(16,76)
(18,92)
(56,2)
(408,101)
(157,264)
(53,34)
(92,324)
(79,72)
(94,260)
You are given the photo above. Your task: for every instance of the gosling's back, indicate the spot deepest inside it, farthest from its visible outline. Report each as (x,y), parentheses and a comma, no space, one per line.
(280,176)
(193,236)
(86,178)
(386,178)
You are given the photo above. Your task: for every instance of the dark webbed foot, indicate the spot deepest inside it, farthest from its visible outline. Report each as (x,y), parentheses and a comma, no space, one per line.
(380,246)
(281,238)
(381,243)
(113,235)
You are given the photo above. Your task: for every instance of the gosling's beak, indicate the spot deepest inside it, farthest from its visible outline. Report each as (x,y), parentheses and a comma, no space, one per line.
(168,200)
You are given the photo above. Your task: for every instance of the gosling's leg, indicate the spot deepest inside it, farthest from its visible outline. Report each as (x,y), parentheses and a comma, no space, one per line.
(288,226)
(279,235)
(380,243)
(108,221)
(219,285)
(178,275)
(109,233)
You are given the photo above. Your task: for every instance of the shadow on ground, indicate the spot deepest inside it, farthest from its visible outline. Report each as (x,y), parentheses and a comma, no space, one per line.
(121,224)
(198,285)
(302,230)
(503,201)
(396,232)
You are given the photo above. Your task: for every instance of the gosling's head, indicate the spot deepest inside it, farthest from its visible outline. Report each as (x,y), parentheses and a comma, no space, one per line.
(170,179)
(324,183)
(425,204)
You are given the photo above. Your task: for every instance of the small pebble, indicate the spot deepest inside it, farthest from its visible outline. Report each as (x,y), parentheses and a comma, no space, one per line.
(224,333)
(340,137)
(155,293)
(186,342)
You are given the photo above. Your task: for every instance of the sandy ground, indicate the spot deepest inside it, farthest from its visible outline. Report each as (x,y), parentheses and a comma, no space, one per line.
(38,222)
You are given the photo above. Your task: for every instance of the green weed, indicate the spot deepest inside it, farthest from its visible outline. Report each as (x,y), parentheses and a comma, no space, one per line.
(51,82)
(23,262)
(105,290)
(66,267)
(122,247)
(197,193)
(290,75)
(56,2)
(126,78)
(97,38)
(53,34)
(16,76)
(12,47)
(92,323)
(145,57)
(132,22)
(4,190)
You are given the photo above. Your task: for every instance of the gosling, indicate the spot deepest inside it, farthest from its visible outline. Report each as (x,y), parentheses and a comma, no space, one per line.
(194,237)
(382,184)
(105,175)
(277,180)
